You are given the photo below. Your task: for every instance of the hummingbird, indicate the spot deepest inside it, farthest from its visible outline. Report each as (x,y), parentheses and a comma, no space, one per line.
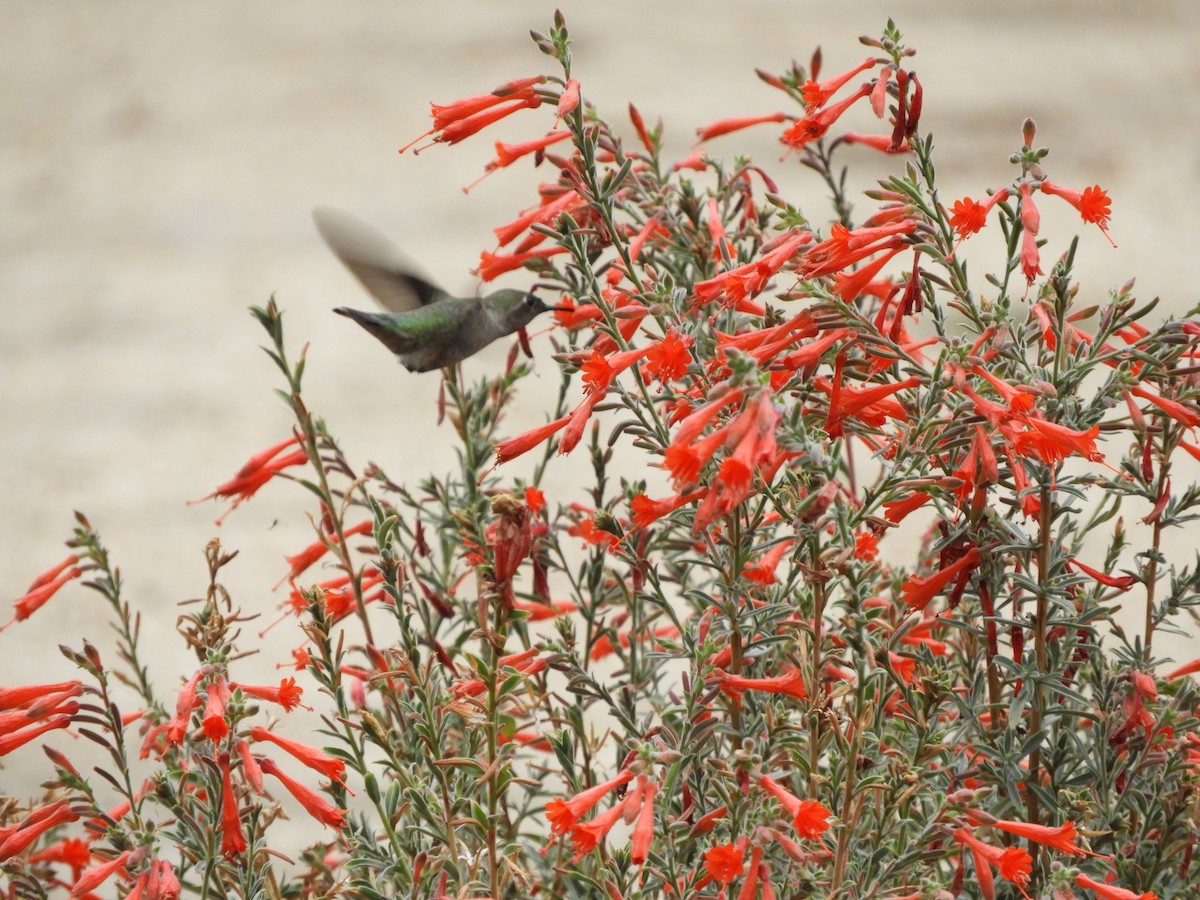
(426,327)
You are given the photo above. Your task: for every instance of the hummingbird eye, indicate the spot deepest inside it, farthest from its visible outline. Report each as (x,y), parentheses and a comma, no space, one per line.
(531,300)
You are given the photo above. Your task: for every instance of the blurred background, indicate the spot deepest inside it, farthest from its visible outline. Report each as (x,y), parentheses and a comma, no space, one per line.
(159,162)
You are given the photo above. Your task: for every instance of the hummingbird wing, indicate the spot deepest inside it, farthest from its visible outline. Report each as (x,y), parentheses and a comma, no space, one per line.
(376,262)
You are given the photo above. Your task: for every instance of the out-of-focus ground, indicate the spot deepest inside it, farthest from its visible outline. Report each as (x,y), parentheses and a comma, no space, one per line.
(158,165)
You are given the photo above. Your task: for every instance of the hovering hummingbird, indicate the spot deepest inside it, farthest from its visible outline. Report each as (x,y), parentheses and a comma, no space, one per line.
(424,326)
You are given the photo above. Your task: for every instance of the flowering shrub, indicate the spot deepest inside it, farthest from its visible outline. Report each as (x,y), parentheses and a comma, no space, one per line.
(832,617)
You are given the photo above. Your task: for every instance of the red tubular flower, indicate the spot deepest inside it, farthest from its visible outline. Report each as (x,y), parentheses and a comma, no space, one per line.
(848,285)
(740,283)
(845,247)
(587,836)
(317,760)
(523,443)
(73,852)
(668,359)
(1052,443)
(1124,582)
(726,126)
(967,216)
(872,405)
(646,511)
(762,570)
(790,683)
(250,767)
(564,814)
(750,886)
(41,591)
(724,863)
(917,591)
(569,99)
(881,142)
(301,562)
(1030,223)
(257,471)
(1111,891)
(895,511)
(184,704)
(316,805)
(287,694)
(1060,838)
(463,128)
(814,124)
(233,840)
(545,214)
(97,875)
(789,801)
(16,697)
(16,839)
(576,421)
(598,371)
(817,95)
(213,722)
(1093,203)
(643,828)
(13,740)
(1014,864)
(811,819)
(510,537)
(1182,414)
(493,265)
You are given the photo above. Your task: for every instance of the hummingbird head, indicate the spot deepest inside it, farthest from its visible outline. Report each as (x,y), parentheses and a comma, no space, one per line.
(515,309)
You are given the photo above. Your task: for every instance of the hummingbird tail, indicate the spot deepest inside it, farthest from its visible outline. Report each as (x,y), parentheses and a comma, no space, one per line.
(395,340)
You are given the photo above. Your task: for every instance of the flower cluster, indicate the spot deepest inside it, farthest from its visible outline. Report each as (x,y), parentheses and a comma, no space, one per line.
(829,614)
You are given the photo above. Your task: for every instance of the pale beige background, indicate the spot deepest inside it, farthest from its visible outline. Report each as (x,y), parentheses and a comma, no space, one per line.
(158,163)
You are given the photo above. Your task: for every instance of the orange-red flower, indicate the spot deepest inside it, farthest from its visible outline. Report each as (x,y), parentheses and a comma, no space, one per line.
(790,683)
(643,826)
(316,805)
(724,863)
(587,836)
(762,570)
(97,875)
(817,95)
(317,760)
(1052,443)
(493,265)
(564,814)
(43,588)
(1111,891)
(1013,863)
(598,370)
(299,563)
(569,99)
(815,123)
(811,819)
(1030,223)
(968,216)
(726,126)
(668,359)
(1093,203)
(287,694)
(257,471)
(646,511)
(917,590)
(1060,837)
(15,839)
(1123,582)
(213,722)
(233,839)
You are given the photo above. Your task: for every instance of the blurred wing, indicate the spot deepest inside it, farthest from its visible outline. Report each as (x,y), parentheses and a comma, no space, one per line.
(376,262)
